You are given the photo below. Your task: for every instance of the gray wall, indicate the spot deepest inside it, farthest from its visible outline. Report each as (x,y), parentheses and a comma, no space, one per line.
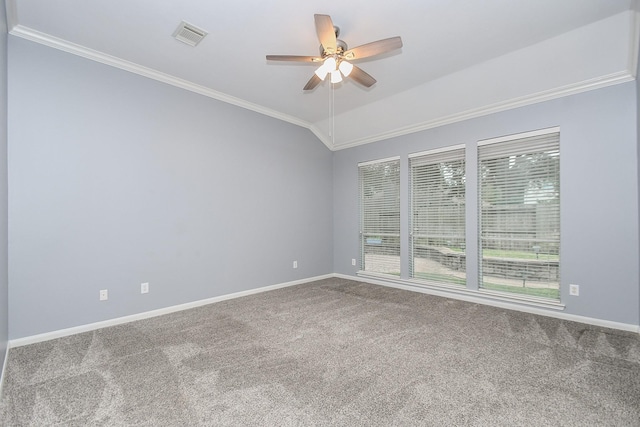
(4,286)
(599,184)
(116,179)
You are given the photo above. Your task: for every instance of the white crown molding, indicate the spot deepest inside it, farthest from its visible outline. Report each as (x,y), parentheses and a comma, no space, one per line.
(572,89)
(326,139)
(603,81)
(75,49)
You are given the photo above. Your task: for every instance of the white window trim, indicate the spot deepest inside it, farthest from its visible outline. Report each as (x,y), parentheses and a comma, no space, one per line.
(447,149)
(530,300)
(466,293)
(437,150)
(522,135)
(373,162)
(361,231)
(473,295)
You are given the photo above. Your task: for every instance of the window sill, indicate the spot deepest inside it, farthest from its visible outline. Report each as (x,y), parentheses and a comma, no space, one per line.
(460,292)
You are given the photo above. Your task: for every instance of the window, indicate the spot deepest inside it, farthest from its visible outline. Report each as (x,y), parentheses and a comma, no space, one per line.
(380,216)
(519,204)
(437,221)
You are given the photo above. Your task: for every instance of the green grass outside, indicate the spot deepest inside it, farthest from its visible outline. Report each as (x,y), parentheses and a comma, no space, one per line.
(497,253)
(442,278)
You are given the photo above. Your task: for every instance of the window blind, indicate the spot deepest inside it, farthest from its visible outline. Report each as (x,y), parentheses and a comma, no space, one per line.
(437,222)
(380,216)
(519,197)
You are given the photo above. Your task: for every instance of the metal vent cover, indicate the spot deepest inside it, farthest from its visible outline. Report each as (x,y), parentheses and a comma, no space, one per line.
(189,34)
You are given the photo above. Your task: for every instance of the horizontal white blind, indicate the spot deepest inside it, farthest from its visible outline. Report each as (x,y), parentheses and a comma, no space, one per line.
(519,196)
(380,216)
(437,203)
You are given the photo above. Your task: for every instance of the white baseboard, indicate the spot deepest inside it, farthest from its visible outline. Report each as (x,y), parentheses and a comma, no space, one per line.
(499,303)
(4,367)
(153,313)
(172,309)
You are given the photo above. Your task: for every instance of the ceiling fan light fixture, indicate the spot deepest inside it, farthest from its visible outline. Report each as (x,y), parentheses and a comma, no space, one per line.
(336,77)
(330,64)
(345,68)
(335,55)
(322,72)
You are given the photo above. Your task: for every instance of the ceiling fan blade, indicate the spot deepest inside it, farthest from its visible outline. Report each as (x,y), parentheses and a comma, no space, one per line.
(312,83)
(326,33)
(374,48)
(362,77)
(294,58)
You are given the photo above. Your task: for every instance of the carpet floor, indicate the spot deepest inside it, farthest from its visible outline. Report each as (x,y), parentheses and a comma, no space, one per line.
(330,353)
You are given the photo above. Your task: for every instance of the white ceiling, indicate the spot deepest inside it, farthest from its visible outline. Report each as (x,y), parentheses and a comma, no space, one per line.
(461,58)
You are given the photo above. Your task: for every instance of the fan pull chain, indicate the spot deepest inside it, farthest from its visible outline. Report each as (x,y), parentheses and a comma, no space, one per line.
(333,115)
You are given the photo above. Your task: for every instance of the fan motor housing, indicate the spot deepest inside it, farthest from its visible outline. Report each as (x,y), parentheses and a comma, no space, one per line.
(341,47)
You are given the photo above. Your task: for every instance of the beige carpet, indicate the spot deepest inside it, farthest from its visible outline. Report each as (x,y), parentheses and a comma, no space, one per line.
(333,352)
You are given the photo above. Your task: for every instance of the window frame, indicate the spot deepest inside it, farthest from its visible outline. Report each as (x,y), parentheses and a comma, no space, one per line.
(439,156)
(382,232)
(543,141)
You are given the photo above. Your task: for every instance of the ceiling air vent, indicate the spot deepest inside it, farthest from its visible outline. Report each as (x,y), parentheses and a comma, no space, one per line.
(189,34)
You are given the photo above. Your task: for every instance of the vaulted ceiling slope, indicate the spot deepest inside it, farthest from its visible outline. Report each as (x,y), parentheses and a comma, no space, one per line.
(460,58)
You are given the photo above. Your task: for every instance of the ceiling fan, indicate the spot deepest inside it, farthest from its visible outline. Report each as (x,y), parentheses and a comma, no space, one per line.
(335,57)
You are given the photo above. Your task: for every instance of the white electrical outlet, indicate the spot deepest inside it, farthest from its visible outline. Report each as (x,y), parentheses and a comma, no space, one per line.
(353,261)
(144,288)
(104,295)
(574,290)
(295,264)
